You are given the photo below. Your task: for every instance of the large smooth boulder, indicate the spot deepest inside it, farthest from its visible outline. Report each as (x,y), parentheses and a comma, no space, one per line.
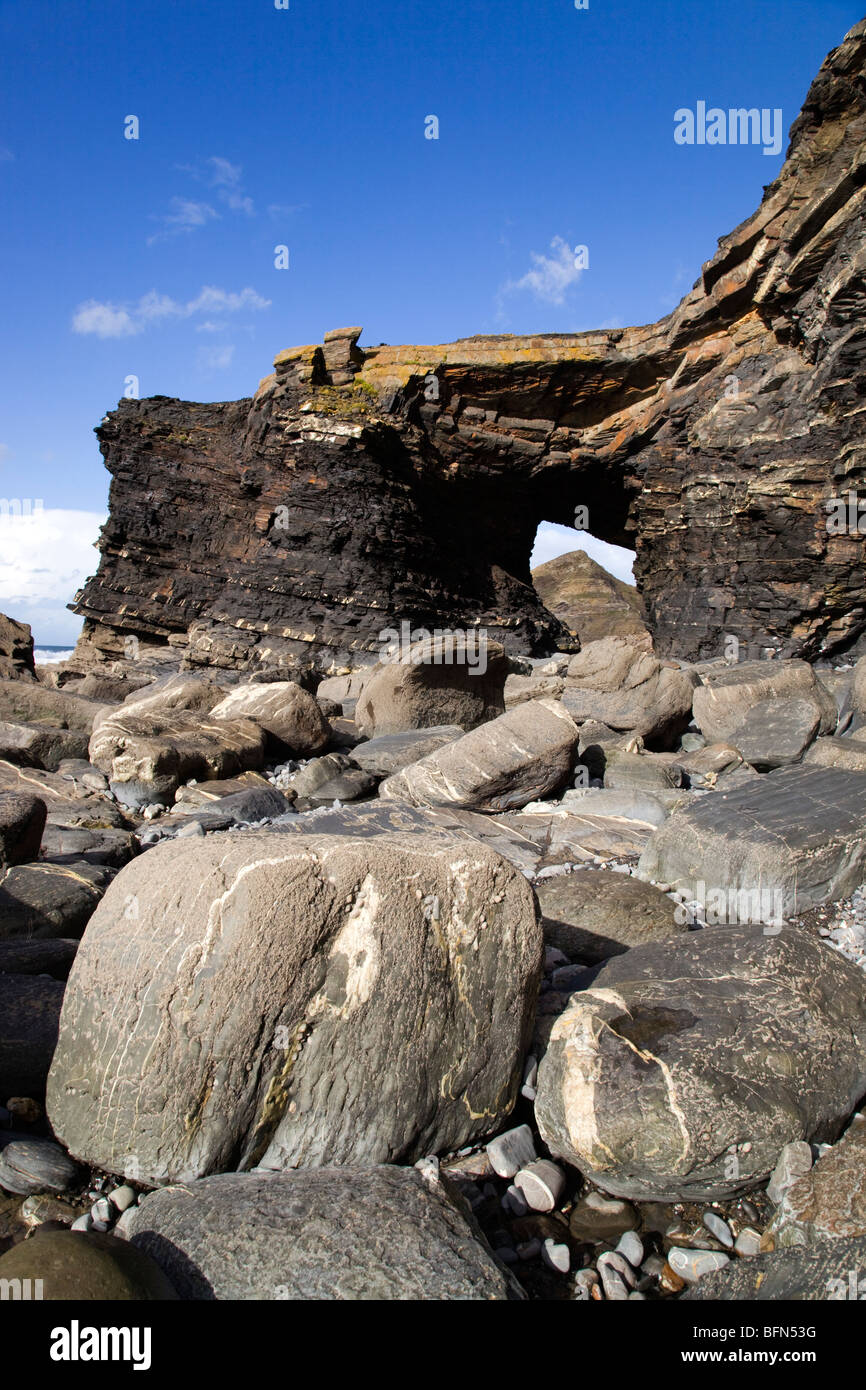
(317,1234)
(728,693)
(503,764)
(451,679)
(22,821)
(27,702)
(774,733)
(618,683)
(684,1069)
(296,1000)
(828,1202)
(29,1017)
(595,914)
(777,844)
(287,712)
(16,649)
(86,1266)
(147,756)
(830,1270)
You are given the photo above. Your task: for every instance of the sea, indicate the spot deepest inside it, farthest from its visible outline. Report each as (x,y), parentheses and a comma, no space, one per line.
(44,656)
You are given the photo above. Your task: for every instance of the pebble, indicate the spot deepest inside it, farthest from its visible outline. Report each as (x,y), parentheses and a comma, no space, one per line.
(542,1184)
(123,1197)
(83,1223)
(794,1162)
(515,1202)
(614,1288)
(585,1281)
(748,1242)
(24,1109)
(612,1259)
(556,1256)
(511,1151)
(692,1265)
(553,957)
(103,1214)
(190,831)
(631,1246)
(595,1218)
(530,1079)
(719,1228)
(36,1210)
(429,1168)
(32,1165)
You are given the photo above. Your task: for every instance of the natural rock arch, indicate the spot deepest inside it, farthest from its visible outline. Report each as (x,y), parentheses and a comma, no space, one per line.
(358,488)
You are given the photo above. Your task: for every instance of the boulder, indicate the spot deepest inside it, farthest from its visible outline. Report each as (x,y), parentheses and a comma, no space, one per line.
(648,772)
(26,702)
(22,821)
(828,1202)
(329,779)
(288,714)
(687,1065)
(595,914)
(85,1266)
(618,683)
(247,807)
(67,845)
(774,733)
(49,899)
(727,693)
(524,754)
(647,807)
(16,650)
(828,1270)
(147,756)
(519,689)
(847,753)
(36,1165)
(29,1017)
(380,1233)
(283,973)
(858,687)
(786,841)
(342,690)
(202,793)
(68,802)
(390,753)
(193,694)
(52,956)
(40,745)
(451,679)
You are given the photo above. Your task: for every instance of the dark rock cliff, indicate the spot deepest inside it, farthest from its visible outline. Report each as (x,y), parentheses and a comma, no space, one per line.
(360,488)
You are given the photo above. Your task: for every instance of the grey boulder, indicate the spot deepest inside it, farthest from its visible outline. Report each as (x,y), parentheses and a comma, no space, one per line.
(288,714)
(22,821)
(147,756)
(381,1233)
(504,764)
(295,1000)
(686,1066)
(29,1018)
(594,914)
(616,682)
(728,693)
(455,678)
(775,732)
(389,753)
(831,1270)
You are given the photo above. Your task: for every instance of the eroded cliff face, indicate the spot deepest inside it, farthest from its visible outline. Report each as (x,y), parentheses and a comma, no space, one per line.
(360,488)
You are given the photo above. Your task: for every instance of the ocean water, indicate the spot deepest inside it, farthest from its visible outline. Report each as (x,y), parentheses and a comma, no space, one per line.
(43,656)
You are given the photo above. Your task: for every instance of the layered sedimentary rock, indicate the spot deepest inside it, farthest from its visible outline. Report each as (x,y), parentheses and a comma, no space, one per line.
(361,488)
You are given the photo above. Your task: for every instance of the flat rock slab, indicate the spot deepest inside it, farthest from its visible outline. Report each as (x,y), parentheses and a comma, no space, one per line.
(499,766)
(828,1202)
(27,702)
(52,957)
(789,840)
(296,1000)
(66,803)
(592,915)
(390,753)
(29,1019)
(333,1233)
(40,745)
(847,753)
(831,1270)
(686,1066)
(775,733)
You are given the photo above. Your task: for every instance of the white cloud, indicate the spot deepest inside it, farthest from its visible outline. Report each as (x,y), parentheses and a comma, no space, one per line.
(44,559)
(226,179)
(185,215)
(215,359)
(552,540)
(551,276)
(107,320)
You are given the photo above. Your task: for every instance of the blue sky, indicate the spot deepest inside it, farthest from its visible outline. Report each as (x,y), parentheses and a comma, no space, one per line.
(305,127)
